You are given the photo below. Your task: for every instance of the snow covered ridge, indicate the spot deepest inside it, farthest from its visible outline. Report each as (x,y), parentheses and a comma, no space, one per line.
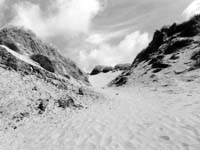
(174,51)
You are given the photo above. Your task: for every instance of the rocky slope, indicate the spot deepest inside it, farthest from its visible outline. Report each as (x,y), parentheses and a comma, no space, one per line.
(173,53)
(37,80)
(25,42)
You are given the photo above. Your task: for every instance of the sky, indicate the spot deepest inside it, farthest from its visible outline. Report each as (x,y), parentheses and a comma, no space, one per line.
(96,32)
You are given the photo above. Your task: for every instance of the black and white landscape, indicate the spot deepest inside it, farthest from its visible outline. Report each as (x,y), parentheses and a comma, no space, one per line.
(100,75)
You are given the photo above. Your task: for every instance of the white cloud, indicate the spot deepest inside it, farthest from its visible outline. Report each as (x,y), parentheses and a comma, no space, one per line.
(2,2)
(98,38)
(124,52)
(70,18)
(1,8)
(192,9)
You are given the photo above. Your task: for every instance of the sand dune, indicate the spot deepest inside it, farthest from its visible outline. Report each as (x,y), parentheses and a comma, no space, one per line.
(129,119)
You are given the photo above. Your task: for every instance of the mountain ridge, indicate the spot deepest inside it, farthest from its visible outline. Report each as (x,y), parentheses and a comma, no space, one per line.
(173,50)
(25,42)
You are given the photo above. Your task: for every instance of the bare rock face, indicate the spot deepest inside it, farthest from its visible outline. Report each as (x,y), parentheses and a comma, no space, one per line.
(174,51)
(107,69)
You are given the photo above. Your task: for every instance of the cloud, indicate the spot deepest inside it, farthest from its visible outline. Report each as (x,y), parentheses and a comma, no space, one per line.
(98,38)
(70,17)
(106,54)
(2,2)
(192,9)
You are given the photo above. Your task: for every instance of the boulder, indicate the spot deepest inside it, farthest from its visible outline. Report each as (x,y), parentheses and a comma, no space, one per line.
(107,69)
(98,69)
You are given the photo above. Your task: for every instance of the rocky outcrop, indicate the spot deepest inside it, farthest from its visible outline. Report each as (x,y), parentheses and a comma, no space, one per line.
(173,51)
(122,67)
(105,69)
(44,62)
(97,69)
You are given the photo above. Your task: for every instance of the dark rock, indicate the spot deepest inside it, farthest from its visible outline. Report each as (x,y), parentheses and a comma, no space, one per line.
(42,105)
(10,44)
(34,88)
(119,81)
(159,65)
(98,69)
(101,69)
(145,54)
(80,91)
(68,103)
(175,46)
(196,59)
(44,62)
(157,70)
(64,103)
(189,28)
(8,59)
(107,69)
(174,57)
(122,67)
